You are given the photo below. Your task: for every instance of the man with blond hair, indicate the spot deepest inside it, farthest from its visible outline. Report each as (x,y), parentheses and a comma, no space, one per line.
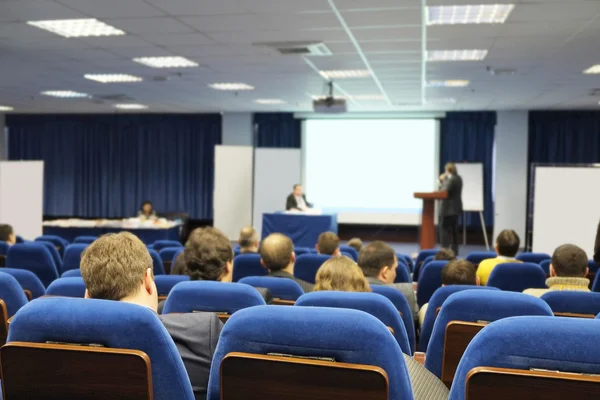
(118,267)
(248,240)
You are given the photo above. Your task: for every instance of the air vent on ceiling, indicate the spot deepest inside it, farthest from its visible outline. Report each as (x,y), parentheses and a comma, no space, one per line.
(113,97)
(595,92)
(299,48)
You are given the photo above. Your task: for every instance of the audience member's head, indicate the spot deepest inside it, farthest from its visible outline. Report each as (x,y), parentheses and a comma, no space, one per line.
(248,240)
(7,234)
(329,244)
(117,266)
(147,207)
(208,255)
(451,168)
(569,261)
(356,244)
(277,253)
(341,274)
(459,272)
(507,243)
(445,255)
(378,260)
(297,190)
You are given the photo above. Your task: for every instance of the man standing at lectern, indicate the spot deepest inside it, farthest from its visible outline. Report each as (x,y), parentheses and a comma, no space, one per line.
(451,207)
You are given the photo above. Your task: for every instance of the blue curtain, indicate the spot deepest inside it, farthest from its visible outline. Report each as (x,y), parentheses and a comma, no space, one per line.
(278,130)
(106,165)
(469,137)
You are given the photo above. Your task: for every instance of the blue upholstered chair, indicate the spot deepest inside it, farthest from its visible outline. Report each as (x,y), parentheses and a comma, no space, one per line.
(162,244)
(351,250)
(164,283)
(247,265)
(592,266)
(596,284)
(307,266)
(545,265)
(516,277)
(85,239)
(176,254)
(33,257)
(345,254)
(419,267)
(478,305)
(375,304)
(54,253)
(348,336)
(72,273)
(157,263)
(423,254)
(401,304)
(113,324)
(436,301)
(4,248)
(20,239)
(57,241)
(301,250)
(168,253)
(407,260)
(402,273)
(429,281)
(28,281)
(523,343)
(11,293)
(67,287)
(478,256)
(573,302)
(281,288)
(72,258)
(535,258)
(187,297)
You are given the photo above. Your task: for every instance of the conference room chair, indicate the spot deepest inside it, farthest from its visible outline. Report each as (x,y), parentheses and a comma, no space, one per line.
(350,250)
(3,250)
(210,296)
(531,358)
(72,258)
(54,253)
(307,352)
(12,298)
(67,287)
(401,304)
(248,265)
(313,251)
(593,271)
(535,258)
(33,257)
(72,273)
(164,284)
(463,315)
(82,331)
(85,239)
(301,250)
(434,306)
(307,266)
(158,245)
(31,284)
(430,280)
(20,239)
(345,254)
(573,303)
(157,263)
(545,265)
(284,291)
(167,255)
(419,268)
(372,303)
(478,256)
(407,260)
(402,273)
(596,284)
(58,242)
(516,277)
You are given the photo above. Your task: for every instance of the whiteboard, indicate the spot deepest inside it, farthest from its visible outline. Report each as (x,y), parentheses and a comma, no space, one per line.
(472,193)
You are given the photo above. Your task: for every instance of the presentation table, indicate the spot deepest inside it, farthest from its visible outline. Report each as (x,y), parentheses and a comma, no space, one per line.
(148,233)
(303,229)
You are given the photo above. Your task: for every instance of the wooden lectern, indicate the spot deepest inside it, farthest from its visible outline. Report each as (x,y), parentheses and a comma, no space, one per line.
(428,217)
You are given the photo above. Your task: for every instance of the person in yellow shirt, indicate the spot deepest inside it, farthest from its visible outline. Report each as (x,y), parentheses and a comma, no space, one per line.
(507,247)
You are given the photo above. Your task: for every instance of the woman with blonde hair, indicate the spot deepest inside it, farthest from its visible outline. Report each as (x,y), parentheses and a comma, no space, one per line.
(341,274)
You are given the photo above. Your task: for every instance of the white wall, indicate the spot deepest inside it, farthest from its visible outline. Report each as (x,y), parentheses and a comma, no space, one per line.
(237,129)
(512,136)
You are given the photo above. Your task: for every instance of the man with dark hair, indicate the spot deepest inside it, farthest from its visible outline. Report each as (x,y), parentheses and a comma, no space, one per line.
(507,246)
(277,255)
(7,234)
(328,244)
(378,262)
(568,271)
(248,240)
(297,200)
(451,207)
(445,255)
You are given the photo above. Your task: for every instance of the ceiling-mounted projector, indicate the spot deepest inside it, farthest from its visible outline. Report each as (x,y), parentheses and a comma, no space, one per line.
(330,104)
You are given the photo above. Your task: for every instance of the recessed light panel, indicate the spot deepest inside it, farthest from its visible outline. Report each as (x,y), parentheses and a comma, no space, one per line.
(6,108)
(230,86)
(346,73)
(593,70)
(77,27)
(456,55)
(448,83)
(131,106)
(112,78)
(469,14)
(65,94)
(166,62)
(269,101)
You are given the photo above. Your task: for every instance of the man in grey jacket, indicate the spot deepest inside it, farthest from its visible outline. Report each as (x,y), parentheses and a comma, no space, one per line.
(451,207)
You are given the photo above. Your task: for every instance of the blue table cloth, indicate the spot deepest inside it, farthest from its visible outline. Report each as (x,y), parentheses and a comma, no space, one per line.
(304,230)
(148,236)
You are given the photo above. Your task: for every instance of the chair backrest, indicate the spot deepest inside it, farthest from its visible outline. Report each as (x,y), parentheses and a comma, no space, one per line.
(407,260)
(478,256)
(4,248)
(345,254)
(596,284)
(402,273)
(56,258)
(60,243)
(419,267)
(28,281)
(72,273)
(436,301)
(545,265)
(573,303)
(301,250)
(157,263)
(112,324)
(517,277)
(33,257)
(429,280)
(85,239)
(219,297)
(346,336)
(11,293)
(525,343)
(281,288)
(401,304)
(161,244)
(307,266)
(167,253)
(67,287)
(535,258)
(423,254)
(375,304)
(350,250)
(72,258)
(164,283)
(247,265)
(474,306)
(593,267)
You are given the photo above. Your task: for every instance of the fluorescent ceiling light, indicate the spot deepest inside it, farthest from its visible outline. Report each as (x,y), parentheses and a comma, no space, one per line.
(112,78)
(595,69)
(166,62)
(448,100)
(6,108)
(77,27)
(66,94)
(456,55)
(469,14)
(369,97)
(230,86)
(269,101)
(448,83)
(131,106)
(346,73)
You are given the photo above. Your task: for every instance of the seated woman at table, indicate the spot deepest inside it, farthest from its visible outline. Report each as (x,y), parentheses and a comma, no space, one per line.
(146,212)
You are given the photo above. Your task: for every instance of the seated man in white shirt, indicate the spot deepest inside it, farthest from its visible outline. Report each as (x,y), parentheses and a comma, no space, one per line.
(297,200)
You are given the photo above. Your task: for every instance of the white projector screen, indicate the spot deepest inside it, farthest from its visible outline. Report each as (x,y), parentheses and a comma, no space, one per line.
(367,170)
